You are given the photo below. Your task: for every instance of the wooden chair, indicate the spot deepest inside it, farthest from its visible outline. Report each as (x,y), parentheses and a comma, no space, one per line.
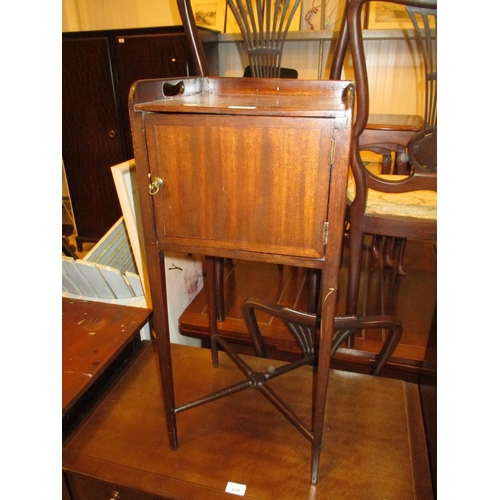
(397,206)
(303,327)
(264,28)
(387,135)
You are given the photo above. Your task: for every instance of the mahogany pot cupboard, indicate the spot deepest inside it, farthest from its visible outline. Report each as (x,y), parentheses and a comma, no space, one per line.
(243,168)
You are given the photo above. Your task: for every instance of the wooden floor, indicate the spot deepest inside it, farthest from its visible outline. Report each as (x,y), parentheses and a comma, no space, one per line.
(411,298)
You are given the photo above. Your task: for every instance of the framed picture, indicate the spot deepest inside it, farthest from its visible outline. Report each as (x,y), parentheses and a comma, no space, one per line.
(312,15)
(209,14)
(387,16)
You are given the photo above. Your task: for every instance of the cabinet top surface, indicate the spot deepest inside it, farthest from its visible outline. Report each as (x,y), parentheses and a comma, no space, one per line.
(247,96)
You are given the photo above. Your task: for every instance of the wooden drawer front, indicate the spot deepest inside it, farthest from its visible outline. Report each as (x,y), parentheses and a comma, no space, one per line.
(88,488)
(259,184)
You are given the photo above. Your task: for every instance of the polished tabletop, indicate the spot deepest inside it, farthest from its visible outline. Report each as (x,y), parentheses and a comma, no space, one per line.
(93,335)
(373,447)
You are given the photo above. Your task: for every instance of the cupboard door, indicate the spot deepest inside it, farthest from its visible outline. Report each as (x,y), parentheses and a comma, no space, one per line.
(92,137)
(257,185)
(147,56)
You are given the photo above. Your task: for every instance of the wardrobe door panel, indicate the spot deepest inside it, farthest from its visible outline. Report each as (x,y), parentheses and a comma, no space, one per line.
(147,56)
(92,135)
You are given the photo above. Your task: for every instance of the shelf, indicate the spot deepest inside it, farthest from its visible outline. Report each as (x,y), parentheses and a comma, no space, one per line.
(294,36)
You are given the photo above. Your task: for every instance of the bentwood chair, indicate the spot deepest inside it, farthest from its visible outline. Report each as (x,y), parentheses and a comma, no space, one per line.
(396,205)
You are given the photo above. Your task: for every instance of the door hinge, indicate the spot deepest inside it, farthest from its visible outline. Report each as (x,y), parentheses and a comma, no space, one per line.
(325,232)
(332,152)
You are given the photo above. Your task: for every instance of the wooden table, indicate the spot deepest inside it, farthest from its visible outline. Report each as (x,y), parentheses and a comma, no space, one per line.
(94,334)
(373,447)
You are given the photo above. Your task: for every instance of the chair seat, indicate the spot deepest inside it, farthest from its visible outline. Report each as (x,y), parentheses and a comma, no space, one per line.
(415,204)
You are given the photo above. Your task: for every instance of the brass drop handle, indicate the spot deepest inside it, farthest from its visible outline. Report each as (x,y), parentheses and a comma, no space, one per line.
(115,495)
(155,184)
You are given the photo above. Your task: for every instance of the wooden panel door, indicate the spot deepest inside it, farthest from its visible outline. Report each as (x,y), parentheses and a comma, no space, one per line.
(260,183)
(92,137)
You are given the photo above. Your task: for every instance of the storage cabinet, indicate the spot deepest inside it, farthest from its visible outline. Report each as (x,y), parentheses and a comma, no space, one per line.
(243,168)
(92,137)
(98,69)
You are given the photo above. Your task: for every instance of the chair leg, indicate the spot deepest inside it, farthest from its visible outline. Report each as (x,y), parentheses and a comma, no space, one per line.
(211,282)
(402,166)
(391,250)
(354,273)
(219,288)
(386,163)
(314,280)
(375,247)
(388,253)
(400,256)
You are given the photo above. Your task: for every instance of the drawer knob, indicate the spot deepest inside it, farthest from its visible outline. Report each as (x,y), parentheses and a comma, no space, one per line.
(155,185)
(115,495)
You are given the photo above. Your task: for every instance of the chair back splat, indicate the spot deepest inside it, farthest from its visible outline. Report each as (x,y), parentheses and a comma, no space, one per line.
(423,147)
(264,25)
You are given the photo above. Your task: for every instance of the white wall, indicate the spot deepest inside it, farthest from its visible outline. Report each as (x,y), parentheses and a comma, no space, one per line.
(86,15)
(394,69)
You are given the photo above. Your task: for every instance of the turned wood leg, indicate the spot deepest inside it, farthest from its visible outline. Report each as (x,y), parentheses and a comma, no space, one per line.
(219,288)
(354,273)
(211,279)
(400,256)
(314,282)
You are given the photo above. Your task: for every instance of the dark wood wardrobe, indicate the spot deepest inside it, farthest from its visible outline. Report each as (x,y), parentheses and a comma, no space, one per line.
(98,68)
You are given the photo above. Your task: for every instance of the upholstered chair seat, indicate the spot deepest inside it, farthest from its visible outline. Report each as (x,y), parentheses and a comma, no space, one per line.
(418,204)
